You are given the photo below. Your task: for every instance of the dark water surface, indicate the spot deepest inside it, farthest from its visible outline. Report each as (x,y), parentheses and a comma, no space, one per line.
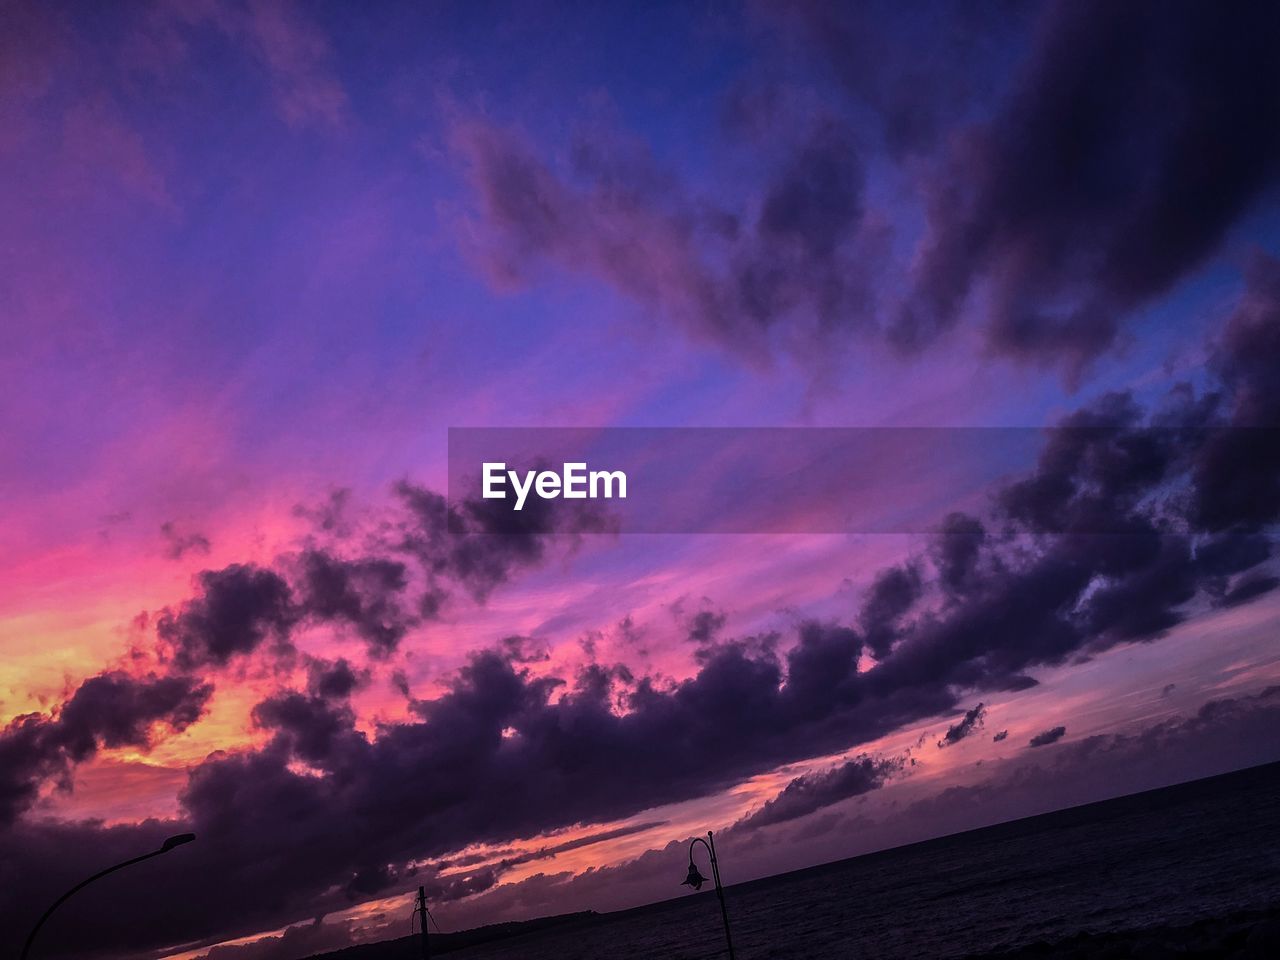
(1164,858)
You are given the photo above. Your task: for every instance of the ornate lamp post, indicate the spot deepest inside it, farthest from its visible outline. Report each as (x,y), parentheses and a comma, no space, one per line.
(165,847)
(696,880)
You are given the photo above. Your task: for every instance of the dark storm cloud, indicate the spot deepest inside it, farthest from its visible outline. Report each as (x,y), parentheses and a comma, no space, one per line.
(1166,484)
(971,721)
(334,680)
(473,545)
(365,593)
(704,625)
(892,595)
(1098,463)
(1047,737)
(1002,735)
(796,259)
(803,253)
(479,544)
(238,608)
(429,550)
(813,791)
(822,668)
(307,726)
(1135,136)
(1045,597)
(106,711)
(814,203)
(115,710)
(25,762)
(957,551)
(914,67)
(1238,476)
(1244,357)
(1076,168)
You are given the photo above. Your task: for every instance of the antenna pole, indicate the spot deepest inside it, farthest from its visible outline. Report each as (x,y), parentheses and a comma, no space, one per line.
(426,919)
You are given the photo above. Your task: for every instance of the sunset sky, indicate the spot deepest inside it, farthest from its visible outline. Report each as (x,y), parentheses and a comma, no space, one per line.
(259,257)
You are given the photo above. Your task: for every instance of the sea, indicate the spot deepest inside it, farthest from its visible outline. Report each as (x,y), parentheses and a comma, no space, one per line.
(1164,859)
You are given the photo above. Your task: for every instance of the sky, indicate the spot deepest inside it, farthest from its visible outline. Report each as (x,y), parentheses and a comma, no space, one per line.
(260,257)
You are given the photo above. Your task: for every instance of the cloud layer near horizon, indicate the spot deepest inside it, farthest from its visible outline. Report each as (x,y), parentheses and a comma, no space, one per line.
(1221,735)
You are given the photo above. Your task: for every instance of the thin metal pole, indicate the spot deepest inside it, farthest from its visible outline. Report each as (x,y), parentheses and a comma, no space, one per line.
(26,947)
(715,873)
(426,919)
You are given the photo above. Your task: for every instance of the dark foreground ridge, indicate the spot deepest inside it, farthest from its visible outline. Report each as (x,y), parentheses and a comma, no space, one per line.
(1249,935)
(403,947)
(1187,871)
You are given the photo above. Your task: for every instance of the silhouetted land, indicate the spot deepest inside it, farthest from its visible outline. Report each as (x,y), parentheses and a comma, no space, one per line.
(1186,871)
(449,942)
(1251,935)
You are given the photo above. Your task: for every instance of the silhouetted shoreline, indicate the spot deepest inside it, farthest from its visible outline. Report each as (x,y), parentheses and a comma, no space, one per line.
(1124,873)
(450,942)
(1250,935)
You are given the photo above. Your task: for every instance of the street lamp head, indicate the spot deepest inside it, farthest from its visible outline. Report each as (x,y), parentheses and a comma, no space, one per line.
(694,879)
(176,841)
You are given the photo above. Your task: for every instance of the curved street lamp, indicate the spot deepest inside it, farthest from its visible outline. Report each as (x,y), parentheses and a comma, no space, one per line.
(696,880)
(165,847)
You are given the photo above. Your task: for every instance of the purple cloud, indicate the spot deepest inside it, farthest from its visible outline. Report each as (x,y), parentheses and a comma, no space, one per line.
(1047,737)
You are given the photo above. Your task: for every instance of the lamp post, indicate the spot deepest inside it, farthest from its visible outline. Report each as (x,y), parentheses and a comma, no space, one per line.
(165,847)
(696,880)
